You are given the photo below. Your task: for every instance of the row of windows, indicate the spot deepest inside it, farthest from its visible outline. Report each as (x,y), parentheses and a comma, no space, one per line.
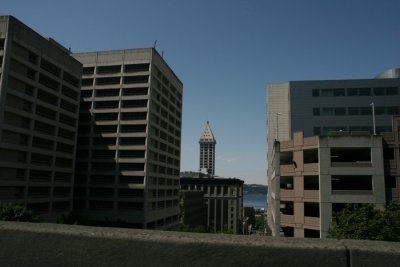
(162,96)
(109,205)
(170,139)
(116,69)
(212,189)
(9,192)
(41,127)
(16,156)
(376,91)
(162,83)
(116,80)
(28,89)
(104,179)
(163,181)
(45,65)
(109,166)
(13,174)
(42,143)
(164,170)
(355,111)
(328,129)
(110,154)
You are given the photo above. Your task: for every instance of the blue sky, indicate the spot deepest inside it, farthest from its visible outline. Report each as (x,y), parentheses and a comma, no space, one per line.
(227,51)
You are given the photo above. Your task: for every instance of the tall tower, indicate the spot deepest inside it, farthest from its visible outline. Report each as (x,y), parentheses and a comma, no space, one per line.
(207,150)
(129,139)
(39,100)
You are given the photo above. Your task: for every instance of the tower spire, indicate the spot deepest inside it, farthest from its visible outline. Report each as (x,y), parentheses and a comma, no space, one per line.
(207,150)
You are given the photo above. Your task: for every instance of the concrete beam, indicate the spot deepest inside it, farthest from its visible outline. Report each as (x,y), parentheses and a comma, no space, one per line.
(30,244)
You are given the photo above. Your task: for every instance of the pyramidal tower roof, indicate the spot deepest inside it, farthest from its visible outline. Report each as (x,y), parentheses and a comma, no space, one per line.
(207,135)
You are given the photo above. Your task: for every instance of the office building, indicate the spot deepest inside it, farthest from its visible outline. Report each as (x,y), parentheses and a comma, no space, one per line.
(314,177)
(39,94)
(207,151)
(128,155)
(223,198)
(319,107)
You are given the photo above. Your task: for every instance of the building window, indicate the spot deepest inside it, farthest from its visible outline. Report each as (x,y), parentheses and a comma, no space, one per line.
(339,92)
(333,111)
(286,182)
(317,130)
(287,207)
(345,183)
(316,111)
(315,92)
(286,157)
(311,233)
(311,209)
(358,91)
(355,155)
(311,182)
(288,231)
(310,156)
(390,181)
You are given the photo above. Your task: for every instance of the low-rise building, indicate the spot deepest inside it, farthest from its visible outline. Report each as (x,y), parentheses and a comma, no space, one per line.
(223,198)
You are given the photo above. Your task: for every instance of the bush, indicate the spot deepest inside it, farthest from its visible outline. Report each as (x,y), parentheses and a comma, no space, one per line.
(363,221)
(14,212)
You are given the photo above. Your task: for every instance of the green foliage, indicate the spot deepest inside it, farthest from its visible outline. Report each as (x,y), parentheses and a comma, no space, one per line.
(193,229)
(259,225)
(363,221)
(72,218)
(227,230)
(14,212)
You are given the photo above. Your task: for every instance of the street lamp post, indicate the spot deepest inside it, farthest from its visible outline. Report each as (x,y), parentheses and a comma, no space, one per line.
(373,117)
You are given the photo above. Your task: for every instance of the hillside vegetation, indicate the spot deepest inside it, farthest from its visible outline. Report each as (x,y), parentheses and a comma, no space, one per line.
(254,189)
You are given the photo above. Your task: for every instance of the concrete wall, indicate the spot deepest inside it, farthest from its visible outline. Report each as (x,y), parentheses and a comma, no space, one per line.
(28,244)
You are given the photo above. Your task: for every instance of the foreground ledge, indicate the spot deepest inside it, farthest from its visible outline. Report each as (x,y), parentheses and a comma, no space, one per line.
(41,244)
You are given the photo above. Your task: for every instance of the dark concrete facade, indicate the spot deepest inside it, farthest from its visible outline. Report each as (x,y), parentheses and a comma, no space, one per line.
(129,138)
(39,102)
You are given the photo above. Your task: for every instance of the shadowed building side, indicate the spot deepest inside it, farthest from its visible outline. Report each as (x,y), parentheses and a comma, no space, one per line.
(129,138)
(39,101)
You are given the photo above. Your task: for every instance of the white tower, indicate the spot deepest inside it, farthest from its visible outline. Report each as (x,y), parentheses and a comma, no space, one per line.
(207,150)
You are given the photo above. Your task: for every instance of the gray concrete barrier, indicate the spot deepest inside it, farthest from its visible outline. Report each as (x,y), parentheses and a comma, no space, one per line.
(30,244)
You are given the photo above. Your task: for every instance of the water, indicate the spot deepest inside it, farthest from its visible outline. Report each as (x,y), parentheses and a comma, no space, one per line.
(256,201)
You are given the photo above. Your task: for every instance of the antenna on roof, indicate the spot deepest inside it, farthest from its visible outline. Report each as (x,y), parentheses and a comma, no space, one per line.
(154,45)
(162,54)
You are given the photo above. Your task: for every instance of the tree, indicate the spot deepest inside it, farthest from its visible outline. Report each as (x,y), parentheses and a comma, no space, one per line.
(363,221)
(14,212)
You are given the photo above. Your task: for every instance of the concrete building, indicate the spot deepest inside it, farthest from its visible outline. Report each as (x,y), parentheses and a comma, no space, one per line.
(223,198)
(319,107)
(313,177)
(128,155)
(391,156)
(39,96)
(207,151)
